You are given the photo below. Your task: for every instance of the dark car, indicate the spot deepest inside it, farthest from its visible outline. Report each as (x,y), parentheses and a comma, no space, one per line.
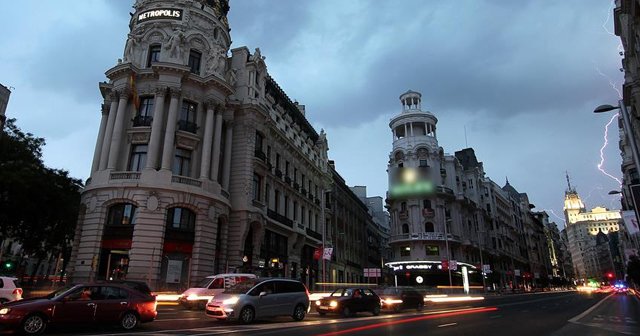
(349,301)
(103,303)
(399,298)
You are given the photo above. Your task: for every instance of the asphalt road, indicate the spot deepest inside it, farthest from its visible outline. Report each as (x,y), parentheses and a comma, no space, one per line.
(549,313)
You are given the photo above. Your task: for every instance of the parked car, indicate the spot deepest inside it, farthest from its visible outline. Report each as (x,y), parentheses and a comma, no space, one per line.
(106,303)
(349,301)
(9,289)
(398,298)
(259,298)
(210,286)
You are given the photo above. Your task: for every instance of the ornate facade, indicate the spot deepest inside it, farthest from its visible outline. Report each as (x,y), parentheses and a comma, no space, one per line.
(202,163)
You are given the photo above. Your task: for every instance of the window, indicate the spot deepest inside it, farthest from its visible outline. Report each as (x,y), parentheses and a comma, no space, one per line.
(113,293)
(405,228)
(403,206)
(181,219)
(426,204)
(267,190)
(122,214)
(144,117)
(405,251)
(257,182)
(276,200)
(432,250)
(286,206)
(295,210)
(138,157)
(194,61)
(188,115)
(182,162)
(423,163)
(259,141)
(428,227)
(154,54)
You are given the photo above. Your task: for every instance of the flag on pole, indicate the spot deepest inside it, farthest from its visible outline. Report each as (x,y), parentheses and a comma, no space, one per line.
(630,221)
(317,253)
(327,253)
(134,92)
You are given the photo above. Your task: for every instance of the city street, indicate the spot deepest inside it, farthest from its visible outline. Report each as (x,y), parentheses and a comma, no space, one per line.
(549,313)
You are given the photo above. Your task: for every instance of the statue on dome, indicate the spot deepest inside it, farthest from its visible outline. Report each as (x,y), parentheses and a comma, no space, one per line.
(175,45)
(132,42)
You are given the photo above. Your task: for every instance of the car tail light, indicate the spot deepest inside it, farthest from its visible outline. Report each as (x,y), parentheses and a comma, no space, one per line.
(18,292)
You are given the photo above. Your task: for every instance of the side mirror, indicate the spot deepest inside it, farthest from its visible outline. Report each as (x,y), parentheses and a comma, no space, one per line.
(263,294)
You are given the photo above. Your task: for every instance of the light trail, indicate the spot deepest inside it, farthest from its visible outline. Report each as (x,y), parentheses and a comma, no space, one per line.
(414,319)
(606,21)
(558,217)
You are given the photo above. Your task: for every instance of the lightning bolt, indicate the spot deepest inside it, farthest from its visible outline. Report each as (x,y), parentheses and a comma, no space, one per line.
(604,145)
(614,86)
(560,218)
(591,193)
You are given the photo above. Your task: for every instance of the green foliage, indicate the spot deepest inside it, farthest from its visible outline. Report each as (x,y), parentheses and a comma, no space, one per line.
(38,205)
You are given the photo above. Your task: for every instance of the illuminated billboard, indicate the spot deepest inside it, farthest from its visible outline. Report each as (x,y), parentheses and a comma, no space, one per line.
(410,182)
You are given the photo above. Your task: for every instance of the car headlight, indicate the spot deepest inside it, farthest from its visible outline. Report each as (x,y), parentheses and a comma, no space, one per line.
(230,301)
(318,303)
(192,297)
(333,304)
(4,311)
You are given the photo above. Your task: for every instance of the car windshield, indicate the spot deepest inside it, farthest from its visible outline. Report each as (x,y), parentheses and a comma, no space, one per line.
(59,292)
(391,291)
(241,287)
(342,292)
(204,283)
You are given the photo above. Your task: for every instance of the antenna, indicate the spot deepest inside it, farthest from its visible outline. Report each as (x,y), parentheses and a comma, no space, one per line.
(568,182)
(465,137)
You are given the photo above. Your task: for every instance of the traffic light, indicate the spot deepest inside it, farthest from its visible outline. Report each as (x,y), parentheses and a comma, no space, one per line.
(610,275)
(8,266)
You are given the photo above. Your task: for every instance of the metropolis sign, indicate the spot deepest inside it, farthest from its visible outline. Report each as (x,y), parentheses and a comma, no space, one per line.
(163,13)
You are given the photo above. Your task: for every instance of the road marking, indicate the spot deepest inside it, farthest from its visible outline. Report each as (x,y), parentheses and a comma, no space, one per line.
(576,318)
(447,325)
(179,319)
(495,316)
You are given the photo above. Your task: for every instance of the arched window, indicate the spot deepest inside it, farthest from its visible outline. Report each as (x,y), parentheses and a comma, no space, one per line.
(405,228)
(181,219)
(122,214)
(428,227)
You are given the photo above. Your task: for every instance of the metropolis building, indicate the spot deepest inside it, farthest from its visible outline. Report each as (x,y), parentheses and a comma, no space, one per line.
(202,163)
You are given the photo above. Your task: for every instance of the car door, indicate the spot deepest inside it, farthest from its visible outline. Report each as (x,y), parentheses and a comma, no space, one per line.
(266,305)
(111,303)
(74,308)
(369,300)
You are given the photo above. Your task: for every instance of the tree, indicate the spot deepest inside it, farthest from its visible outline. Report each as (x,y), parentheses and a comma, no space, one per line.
(38,205)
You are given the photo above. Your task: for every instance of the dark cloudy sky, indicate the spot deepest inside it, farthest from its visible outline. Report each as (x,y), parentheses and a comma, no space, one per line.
(522,77)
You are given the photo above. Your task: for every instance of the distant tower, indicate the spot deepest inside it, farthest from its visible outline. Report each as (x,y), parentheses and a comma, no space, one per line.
(573,205)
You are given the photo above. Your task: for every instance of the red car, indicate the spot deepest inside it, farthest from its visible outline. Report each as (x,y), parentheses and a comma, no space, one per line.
(108,303)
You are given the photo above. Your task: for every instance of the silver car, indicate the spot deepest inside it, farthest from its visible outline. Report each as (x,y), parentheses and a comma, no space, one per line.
(260,298)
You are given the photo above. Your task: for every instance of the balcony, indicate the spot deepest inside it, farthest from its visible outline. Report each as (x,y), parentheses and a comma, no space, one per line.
(187,126)
(186,180)
(287,179)
(296,186)
(260,155)
(279,218)
(440,236)
(314,234)
(278,172)
(139,121)
(124,176)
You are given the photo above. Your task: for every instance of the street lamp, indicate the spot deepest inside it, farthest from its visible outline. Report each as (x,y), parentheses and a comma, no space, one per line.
(614,192)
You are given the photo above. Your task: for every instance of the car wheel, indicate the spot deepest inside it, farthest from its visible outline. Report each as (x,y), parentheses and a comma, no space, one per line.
(247,315)
(346,312)
(34,324)
(202,305)
(129,321)
(3,300)
(299,313)
(376,310)
(397,308)
(420,306)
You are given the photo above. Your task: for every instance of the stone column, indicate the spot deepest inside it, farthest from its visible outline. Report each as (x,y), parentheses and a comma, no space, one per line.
(108,133)
(156,129)
(118,127)
(216,145)
(170,135)
(205,164)
(103,125)
(226,168)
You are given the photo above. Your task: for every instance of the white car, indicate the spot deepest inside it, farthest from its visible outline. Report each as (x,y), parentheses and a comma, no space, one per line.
(9,289)
(210,286)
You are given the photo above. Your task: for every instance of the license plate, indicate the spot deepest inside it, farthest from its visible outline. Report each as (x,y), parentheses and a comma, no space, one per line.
(323,307)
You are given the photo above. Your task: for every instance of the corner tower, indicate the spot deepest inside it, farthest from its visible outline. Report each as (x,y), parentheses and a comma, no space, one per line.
(156,206)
